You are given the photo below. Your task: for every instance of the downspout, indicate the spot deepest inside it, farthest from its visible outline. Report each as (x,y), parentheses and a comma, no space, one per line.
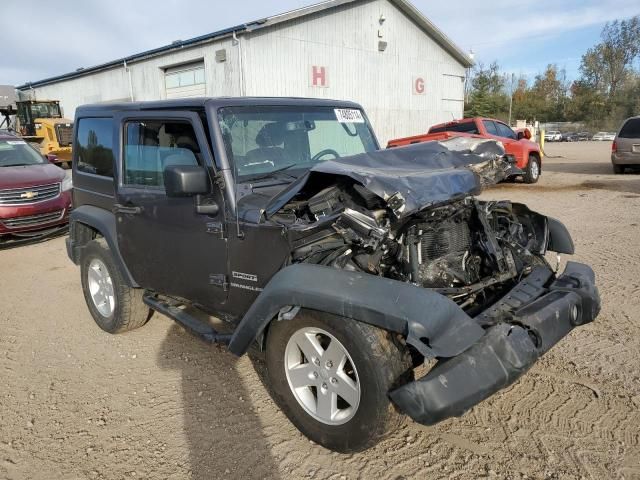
(236,41)
(128,70)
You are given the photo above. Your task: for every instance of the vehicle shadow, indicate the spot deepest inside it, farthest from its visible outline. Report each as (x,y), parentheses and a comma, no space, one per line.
(15,242)
(224,434)
(587,168)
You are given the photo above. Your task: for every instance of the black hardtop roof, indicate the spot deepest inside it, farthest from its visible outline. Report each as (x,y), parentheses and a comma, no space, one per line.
(215,102)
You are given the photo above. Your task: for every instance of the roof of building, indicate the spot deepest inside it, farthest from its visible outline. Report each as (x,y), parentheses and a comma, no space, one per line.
(404,5)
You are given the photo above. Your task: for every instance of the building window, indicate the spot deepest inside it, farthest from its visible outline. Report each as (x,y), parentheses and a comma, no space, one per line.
(185,81)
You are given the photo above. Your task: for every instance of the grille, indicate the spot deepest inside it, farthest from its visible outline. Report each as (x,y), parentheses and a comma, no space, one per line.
(33,220)
(20,196)
(446,238)
(64,132)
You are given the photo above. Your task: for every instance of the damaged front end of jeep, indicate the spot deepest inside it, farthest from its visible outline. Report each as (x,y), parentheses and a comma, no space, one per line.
(465,283)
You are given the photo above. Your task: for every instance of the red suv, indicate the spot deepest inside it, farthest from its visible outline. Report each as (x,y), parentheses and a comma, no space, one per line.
(35,195)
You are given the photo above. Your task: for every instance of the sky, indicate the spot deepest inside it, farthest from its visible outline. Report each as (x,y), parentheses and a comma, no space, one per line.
(51,38)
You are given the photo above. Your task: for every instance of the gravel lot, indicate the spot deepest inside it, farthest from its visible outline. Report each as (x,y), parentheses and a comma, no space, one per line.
(157,403)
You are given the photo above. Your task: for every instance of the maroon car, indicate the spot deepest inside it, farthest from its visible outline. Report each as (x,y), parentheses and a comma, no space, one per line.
(35,195)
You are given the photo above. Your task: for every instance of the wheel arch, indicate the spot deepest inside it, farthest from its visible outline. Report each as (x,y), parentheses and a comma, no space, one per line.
(87,223)
(538,155)
(389,304)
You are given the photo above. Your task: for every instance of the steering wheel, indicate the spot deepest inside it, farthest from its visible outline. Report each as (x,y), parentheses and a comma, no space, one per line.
(322,153)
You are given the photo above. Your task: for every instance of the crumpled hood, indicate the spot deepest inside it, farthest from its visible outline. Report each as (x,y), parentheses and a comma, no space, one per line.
(414,177)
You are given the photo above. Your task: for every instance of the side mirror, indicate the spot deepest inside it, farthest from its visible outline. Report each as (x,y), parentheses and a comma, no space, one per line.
(185,180)
(524,133)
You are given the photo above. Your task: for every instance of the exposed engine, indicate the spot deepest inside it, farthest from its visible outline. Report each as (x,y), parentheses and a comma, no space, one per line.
(468,250)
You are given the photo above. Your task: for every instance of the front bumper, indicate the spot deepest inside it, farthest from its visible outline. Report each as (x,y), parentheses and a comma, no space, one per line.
(527,322)
(38,218)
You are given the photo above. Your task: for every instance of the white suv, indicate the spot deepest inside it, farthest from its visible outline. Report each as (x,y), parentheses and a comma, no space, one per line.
(552,136)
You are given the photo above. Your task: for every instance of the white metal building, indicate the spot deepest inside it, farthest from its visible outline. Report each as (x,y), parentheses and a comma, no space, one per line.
(383,54)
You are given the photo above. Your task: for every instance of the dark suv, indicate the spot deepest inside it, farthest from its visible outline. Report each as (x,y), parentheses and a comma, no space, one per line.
(344,266)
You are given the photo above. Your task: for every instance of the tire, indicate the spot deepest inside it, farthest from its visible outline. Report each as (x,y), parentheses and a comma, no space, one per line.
(379,365)
(123,308)
(532,172)
(618,169)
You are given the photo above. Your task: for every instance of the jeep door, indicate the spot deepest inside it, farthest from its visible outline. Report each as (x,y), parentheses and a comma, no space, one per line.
(167,246)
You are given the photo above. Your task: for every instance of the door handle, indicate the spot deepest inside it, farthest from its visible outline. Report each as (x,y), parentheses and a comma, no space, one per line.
(127,210)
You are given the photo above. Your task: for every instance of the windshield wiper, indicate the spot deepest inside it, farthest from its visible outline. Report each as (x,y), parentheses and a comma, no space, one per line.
(17,164)
(262,176)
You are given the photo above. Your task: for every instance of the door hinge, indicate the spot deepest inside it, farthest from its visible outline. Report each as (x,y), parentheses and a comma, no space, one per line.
(215,228)
(219,280)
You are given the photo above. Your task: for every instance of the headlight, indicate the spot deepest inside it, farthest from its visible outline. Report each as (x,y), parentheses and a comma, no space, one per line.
(67,184)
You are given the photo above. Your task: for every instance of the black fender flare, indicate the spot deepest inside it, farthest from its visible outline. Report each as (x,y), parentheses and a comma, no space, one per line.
(104,222)
(430,322)
(560,240)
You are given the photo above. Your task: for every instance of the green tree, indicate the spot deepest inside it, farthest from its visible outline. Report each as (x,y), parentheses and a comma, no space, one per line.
(487,97)
(606,65)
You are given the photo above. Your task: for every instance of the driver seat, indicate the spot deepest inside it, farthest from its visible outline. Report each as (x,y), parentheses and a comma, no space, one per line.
(268,140)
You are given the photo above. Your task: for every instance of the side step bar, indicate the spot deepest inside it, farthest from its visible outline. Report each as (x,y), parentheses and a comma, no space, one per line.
(201,329)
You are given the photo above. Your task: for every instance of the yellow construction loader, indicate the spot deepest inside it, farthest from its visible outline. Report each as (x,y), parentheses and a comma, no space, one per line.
(40,122)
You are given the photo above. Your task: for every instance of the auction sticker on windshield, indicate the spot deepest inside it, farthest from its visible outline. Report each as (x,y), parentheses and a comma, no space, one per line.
(349,115)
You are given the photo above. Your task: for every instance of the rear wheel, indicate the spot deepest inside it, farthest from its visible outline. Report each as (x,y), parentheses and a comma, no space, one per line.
(532,172)
(114,305)
(330,375)
(618,169)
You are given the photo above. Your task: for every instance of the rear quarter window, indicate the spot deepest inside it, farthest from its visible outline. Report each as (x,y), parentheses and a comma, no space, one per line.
(631,129)
(95,146)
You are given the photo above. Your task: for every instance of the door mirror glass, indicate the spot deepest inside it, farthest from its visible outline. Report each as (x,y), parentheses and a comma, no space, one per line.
(185,180)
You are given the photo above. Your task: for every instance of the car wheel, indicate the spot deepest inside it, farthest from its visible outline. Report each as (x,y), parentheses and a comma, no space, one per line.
(618,169)
(532,172)
(114,305)
(330,375)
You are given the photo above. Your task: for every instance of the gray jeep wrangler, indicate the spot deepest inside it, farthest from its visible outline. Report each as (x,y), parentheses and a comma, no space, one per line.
(343,265)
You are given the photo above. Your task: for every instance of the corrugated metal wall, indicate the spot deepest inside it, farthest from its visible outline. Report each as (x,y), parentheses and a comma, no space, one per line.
(409,86)
(344,41)
(147,79)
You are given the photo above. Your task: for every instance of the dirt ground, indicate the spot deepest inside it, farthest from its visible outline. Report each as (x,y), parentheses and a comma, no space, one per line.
(78,403)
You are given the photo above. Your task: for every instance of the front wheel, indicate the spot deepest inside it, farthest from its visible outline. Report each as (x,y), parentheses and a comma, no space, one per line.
(330,375)
(532,172)
(114,305)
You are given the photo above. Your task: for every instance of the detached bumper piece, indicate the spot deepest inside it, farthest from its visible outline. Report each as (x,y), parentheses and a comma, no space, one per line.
(539,319)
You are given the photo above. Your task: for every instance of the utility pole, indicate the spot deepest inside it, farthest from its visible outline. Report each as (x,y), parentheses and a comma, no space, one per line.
(513,78)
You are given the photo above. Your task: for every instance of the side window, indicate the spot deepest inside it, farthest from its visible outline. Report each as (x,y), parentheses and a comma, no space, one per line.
(505,131)
(152,145)
(95,146)
(490,127)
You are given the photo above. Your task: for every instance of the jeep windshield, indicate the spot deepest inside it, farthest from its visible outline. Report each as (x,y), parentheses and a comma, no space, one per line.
(286,141)
(17,153)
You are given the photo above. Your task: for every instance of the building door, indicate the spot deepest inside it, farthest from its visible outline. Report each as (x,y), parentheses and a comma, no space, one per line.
(185,81)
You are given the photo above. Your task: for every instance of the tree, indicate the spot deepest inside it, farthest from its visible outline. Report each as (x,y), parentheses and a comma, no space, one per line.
(487,97)
(606,65)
